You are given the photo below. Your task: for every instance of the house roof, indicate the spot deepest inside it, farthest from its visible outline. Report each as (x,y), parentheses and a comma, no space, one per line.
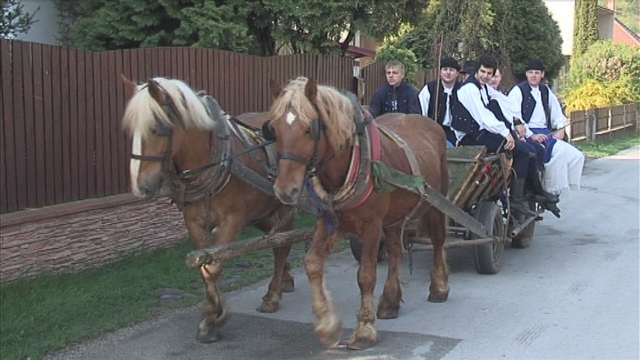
(358,52)
(623,34)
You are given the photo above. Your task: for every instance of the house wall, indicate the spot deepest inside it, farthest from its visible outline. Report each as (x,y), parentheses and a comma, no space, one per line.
(563,12)
(605,24)
(45,30)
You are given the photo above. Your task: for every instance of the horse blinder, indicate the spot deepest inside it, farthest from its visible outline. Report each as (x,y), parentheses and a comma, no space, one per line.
(267,131)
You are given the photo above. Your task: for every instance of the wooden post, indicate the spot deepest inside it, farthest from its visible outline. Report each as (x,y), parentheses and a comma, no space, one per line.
(593,125)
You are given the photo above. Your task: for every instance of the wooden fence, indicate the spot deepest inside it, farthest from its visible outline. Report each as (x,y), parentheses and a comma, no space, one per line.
(595,124)
(61,109)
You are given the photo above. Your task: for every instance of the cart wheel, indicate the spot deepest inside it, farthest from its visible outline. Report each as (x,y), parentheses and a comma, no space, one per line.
(488,256)
(356,247)
(523,239)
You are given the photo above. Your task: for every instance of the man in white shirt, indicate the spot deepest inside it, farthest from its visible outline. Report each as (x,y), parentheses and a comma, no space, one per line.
(544,123)
(437,97)
(475,124)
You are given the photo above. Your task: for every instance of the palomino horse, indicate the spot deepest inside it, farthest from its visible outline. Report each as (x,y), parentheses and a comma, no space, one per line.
(318,132)
(185,141)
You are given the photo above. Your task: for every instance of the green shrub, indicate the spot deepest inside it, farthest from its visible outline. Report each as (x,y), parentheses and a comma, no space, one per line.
(605,74)
(407,57)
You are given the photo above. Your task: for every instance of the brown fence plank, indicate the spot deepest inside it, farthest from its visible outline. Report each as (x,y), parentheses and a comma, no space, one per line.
(9,186)
(20,59)
(49,124)
(98,127)
(90,124)
(56,105)
(83,154)
(65,101)
(119,108)
(40,134)
(112,121)
(105,159)
(30,123)
(74,140)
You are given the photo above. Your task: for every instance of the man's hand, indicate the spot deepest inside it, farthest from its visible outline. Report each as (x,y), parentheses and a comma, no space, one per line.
(510,144)
(538,138)
(559,134)
(521,130)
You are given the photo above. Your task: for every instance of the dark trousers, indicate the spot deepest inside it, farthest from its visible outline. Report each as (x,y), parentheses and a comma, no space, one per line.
(524,154)
(539,150)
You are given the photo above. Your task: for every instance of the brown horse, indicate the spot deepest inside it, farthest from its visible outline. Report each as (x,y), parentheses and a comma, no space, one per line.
(317,129)
(183,140)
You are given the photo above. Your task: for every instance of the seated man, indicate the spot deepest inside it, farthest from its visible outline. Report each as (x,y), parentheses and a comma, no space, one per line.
(436,97)
(544,124)
(477,125)
(396,95)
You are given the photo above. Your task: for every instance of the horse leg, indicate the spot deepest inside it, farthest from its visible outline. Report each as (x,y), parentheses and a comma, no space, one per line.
(365,334)
(328,327)
(271,299)
(439,288)
(281,281)
(389,303)
(215,312)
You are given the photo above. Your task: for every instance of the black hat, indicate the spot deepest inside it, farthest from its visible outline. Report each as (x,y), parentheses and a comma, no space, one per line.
(469,67)
(450,63)
(534,64)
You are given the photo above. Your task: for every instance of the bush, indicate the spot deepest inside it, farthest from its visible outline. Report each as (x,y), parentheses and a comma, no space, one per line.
(595,94)
(407,57)
(605,74)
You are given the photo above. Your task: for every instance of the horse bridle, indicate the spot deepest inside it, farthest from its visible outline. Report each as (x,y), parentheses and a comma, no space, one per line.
(314,132)
(164,131)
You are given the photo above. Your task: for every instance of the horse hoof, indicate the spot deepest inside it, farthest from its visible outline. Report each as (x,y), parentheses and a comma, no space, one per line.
(362,341)
(288,286)
(208,336)
(438,298)
(329,331)
(391,313)
(268,307)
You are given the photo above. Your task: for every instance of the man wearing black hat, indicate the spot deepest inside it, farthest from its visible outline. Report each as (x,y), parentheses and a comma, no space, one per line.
(437,97)
(544,124)
(481,126)
(468,69)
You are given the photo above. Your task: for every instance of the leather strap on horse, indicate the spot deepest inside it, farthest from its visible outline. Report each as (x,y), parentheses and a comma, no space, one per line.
(358,183)
(186,189)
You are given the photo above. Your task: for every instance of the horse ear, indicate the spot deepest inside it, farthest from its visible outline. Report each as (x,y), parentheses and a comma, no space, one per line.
(311,90)
(276,89)
(155,90)
(129,86)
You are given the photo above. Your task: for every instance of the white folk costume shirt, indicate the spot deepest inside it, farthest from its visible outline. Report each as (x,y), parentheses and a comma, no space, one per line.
(425,97)
(475,101)
(538,120)
(564,169)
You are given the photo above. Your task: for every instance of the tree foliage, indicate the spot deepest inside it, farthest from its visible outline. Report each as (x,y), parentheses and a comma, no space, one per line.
(405,56)
(15,20)
(260,27)
(512,30)
(585,30)
(605,74)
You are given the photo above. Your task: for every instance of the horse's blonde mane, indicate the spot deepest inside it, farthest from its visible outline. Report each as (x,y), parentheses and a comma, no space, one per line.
(143,110)
(335,109)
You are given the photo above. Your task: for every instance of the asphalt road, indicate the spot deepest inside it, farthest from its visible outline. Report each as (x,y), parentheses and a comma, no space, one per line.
(574,294)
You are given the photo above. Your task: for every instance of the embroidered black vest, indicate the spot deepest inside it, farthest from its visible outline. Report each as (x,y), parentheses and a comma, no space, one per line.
(529,103)
(442,100)
(461,119)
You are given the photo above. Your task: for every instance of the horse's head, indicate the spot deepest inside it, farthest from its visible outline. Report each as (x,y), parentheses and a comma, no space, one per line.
(309,123)
(157,116)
